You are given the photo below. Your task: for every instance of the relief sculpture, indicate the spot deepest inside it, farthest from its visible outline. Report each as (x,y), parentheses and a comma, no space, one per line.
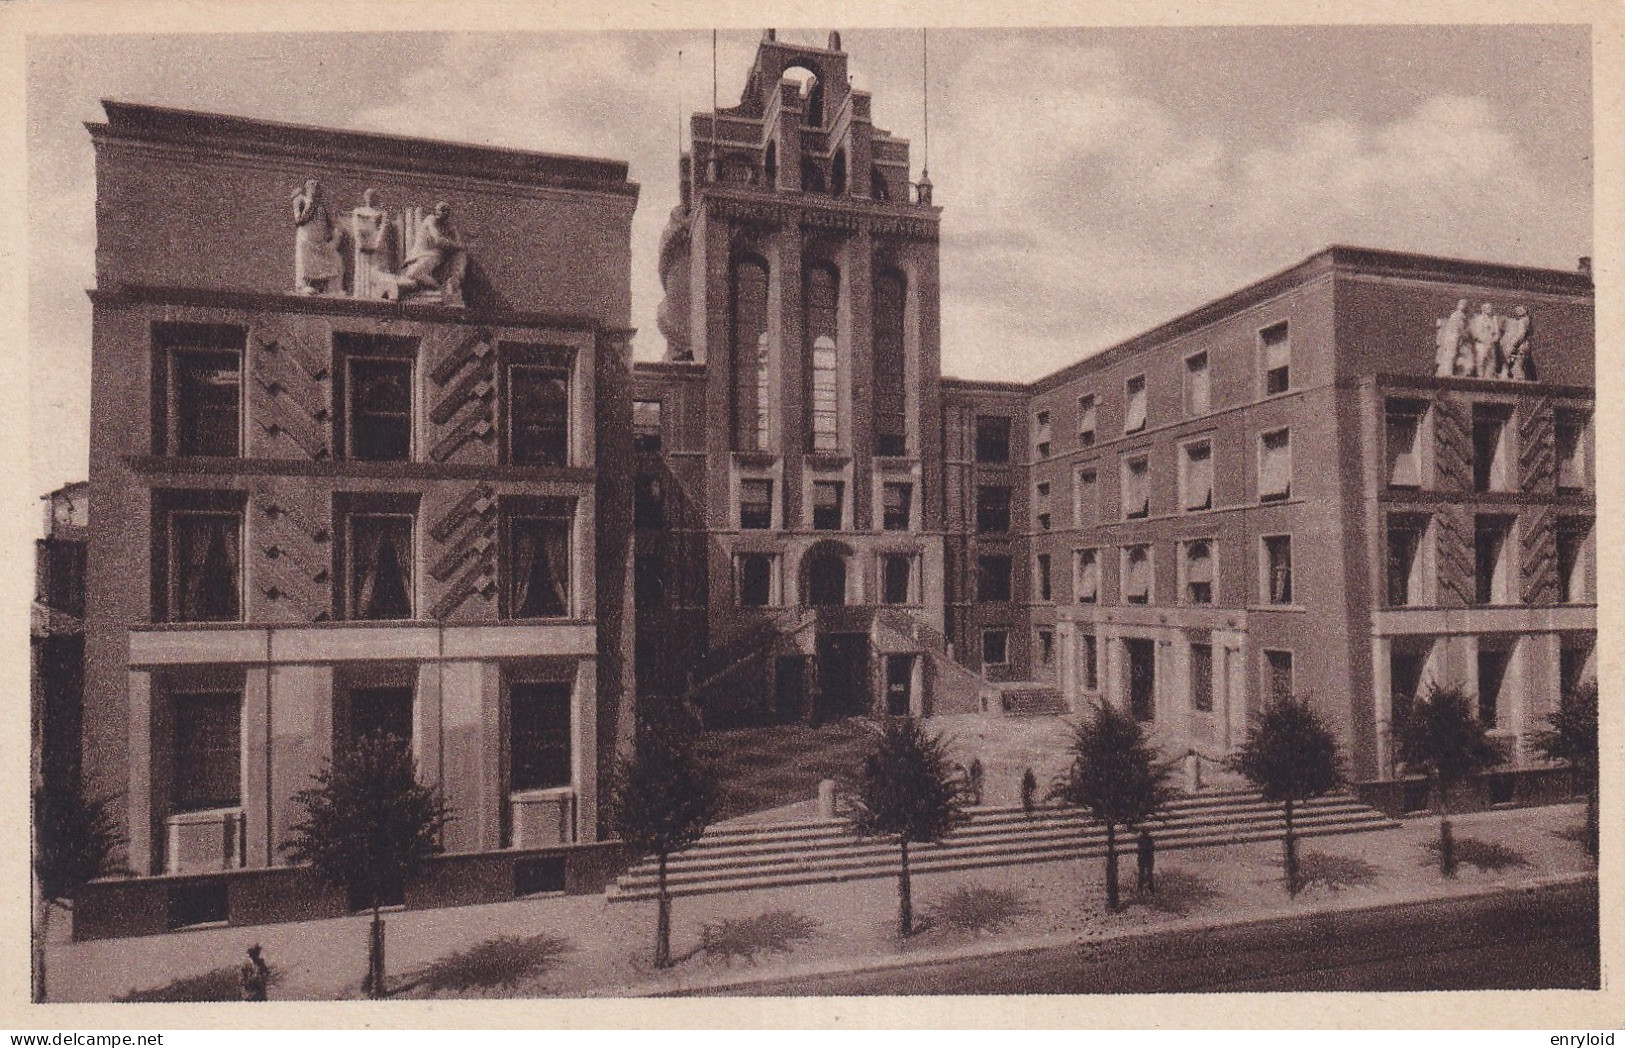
(1486,344)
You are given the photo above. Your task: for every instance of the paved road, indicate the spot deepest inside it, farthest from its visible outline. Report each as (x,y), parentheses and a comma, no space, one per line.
(1527,939)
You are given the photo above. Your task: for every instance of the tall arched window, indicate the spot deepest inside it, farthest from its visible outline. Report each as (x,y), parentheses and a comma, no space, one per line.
(750,402)
(820,297)
(891,399)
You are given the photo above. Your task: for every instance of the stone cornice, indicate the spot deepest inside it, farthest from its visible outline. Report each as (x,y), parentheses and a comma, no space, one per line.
(809,211)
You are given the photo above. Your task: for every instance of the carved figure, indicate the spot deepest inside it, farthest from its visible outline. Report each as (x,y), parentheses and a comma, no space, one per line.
(375,248)
(437,259)
(1450,340)
(1517,332)
(1485,328)
(316,262)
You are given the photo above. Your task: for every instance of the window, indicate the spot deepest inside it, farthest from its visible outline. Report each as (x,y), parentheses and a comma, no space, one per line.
(207,762)
(1572,536)
(1134,405)
(1046,648)
(201,410)
(538,735)
(827,505)
(1275,466)
(538,560)
(1490,453)
(1202,678)
(648,502)
(1041,571)
(1086,420)
(375,380)
(1041,434)
(1041,511)
(992,509)
(1137,574)
(756,578)
(1492,568)
(648,581)
(750,356)
(755,504)
(1407,533)
(1088,662)
(537,401)
(1404,439)
(646,425)
(1573,664)
(992,439)
(199,552)
(890,369)
(1086,572)
(1198,393)
(897,578)
(1277,352)
(1087,508)
(896,505)
(1569,432)
(1198,569)
(995,648)
(1278,674)
(993,578)
(1196,476)
(822,292)
(1278,569)
(1136,487)
(1492,674)
(381,711)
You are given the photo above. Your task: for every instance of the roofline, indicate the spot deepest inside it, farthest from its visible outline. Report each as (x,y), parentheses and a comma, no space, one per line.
(134,121)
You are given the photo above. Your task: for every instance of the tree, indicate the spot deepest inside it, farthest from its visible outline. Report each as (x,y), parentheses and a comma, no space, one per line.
(1116,776)
(1572,737)
(907,789)
(662,799)
(1292,757)
(369,830)
(1441,737)
(77,839)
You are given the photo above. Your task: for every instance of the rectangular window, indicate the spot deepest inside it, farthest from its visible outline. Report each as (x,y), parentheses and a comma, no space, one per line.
(198,389)
(383,712)
(1137,574)
(755,575)
(1088,662)
(1042,577)
(896,505)
(1275,466)
(1198,393)
(539,735)
(1136,487)
(897,578)
(1202,678)
(648,502)
(1278,674)
(992,509)
(538,560)
(1278,569)
(828,510)
(1569,432)
(1404,439)
(537,402)
(1492,569)
(755,504)
(1086,421)
(1041,511)
(646,425)
(1572,536)
(207,750)
(1041,434)
(992,439)
(1196,476)
(1134,404)
(826,432)
(200,551)
(648,581)
(1086,572)
(993,579)
(1046,648)
(995,648)
(1406,534)
(1573,659)
(376,383)
(1198,568)
(1276,347)
(1490,453)
(1492,673)
(1086,510)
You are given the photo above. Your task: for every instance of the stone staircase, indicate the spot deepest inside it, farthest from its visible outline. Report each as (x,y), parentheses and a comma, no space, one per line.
(741,858)
(1030,699)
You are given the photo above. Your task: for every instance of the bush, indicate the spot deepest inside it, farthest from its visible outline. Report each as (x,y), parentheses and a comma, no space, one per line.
(976,908)
(774,932)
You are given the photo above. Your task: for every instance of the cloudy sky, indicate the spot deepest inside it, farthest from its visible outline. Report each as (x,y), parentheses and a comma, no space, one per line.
(1094,182)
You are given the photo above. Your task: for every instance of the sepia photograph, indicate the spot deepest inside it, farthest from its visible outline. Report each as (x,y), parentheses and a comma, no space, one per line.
(811,511)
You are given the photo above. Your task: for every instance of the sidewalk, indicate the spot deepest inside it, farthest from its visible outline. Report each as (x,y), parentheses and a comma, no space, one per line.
(583,946)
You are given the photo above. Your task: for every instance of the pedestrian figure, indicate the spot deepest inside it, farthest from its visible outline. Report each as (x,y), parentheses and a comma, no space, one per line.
(1146,851)
(254,976)
(976,781)
(1029,791)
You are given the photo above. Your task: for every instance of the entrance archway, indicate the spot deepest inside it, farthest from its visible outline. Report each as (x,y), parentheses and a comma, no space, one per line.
(823,575)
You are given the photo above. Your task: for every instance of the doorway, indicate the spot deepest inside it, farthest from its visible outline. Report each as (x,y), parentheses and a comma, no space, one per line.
(843,685)
(790,688)
(899,685)
(1142,678)
(826,579)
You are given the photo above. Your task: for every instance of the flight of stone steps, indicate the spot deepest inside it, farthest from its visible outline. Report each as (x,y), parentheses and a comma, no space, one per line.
(740,857)
(1030,699)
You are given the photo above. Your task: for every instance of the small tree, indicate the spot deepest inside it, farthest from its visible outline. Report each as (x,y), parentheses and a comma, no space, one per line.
(662,799)
(1441,737)
(1573,738)
(1292,757)
(1116,776)
(907,789)
(77,839)
(369,830)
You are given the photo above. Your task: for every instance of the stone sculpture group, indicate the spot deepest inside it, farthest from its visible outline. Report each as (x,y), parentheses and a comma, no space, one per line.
(432,269)
(1485,344)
